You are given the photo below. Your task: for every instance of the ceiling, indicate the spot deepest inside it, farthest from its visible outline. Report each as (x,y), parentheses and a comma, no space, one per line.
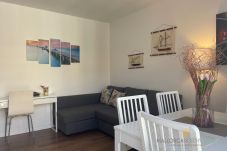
(102,10)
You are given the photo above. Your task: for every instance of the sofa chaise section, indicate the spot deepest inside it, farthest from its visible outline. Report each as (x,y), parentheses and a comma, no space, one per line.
(80,113)
(77,113)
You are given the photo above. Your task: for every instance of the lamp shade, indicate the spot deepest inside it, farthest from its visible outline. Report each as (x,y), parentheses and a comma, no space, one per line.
(203,58)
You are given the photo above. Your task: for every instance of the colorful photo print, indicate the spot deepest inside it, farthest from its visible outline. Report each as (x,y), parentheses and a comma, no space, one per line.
(32,48)
(65,53)
(221,36)
(55,50)
(43,53)
(75,54)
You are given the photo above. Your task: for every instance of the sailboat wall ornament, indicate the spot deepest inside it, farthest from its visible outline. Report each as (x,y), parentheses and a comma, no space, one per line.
(135,60)
(163,40)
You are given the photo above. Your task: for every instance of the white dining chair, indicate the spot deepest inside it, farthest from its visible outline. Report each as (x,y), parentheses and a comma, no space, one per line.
(160,134)
(129,106)
(168,102)
(20,104)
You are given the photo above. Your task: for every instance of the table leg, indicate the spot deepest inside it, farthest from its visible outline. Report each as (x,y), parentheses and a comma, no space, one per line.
(119,146)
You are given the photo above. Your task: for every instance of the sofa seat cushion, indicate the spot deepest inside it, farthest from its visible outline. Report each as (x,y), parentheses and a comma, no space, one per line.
(108,114)
(80,113)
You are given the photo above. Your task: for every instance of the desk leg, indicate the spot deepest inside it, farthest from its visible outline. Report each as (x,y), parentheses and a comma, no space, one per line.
(56,117)
(119,146)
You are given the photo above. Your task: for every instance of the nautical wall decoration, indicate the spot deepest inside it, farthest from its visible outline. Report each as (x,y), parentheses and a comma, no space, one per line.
(59,53)
(135,60)
(163,41)
(221,37)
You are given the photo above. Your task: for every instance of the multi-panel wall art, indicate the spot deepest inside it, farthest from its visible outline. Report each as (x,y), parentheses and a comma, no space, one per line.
(75,53)
(54,52)
(43,51)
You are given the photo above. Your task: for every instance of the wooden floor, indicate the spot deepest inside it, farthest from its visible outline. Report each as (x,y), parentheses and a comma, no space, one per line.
(48,140)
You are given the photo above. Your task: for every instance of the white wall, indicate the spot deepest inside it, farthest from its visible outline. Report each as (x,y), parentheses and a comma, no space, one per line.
(19,24)
(196,23)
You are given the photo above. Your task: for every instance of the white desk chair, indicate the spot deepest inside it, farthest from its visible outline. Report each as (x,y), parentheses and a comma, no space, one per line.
(168,102)
(129,106)
(20,104)
(159,134)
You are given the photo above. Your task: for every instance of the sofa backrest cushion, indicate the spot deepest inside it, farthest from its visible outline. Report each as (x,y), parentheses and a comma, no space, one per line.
(152,103)
(133,91)
(120,89)
(78,100)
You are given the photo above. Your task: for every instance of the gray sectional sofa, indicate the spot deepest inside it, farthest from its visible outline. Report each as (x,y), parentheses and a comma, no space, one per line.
(80,113)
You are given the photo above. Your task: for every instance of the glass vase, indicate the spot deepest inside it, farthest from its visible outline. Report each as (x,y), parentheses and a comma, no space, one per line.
(203,116)
(45,91)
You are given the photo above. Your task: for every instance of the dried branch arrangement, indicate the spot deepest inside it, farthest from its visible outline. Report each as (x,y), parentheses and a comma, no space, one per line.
(202,67)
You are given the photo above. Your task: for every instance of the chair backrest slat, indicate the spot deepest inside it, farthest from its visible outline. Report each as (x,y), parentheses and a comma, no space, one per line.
(157,131)
(170,131)
(174,103)
(124,110)
(155,135)
(168,102)
(162,137)
(133,115)
(129,106)
(171,104)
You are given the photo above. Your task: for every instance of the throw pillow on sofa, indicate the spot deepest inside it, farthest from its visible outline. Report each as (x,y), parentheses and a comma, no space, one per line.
(105,96)
(113,99)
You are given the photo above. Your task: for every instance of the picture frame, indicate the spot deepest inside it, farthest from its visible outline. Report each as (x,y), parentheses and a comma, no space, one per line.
(136,61)
(163,41)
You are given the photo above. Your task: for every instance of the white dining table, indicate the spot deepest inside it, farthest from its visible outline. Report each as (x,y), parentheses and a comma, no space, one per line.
(129,134)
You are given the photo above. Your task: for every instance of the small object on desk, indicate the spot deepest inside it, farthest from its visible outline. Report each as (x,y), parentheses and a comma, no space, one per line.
(45,90)
(36,94)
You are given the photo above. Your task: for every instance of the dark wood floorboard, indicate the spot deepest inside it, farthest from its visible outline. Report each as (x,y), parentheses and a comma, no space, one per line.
(48,140)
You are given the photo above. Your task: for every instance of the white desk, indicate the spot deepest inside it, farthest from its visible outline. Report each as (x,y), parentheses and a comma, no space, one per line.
(129,134)
(51,99)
